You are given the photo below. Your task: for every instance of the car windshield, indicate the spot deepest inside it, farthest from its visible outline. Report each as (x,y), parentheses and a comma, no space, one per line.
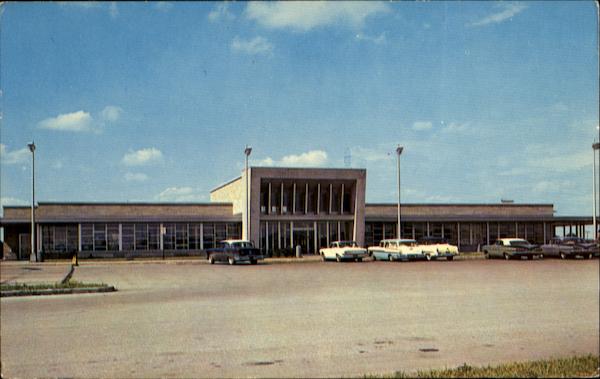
(407,243)
(518,242)
(240,244)
(347,244)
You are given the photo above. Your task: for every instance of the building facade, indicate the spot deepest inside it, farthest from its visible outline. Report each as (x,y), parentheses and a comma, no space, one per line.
(286,208)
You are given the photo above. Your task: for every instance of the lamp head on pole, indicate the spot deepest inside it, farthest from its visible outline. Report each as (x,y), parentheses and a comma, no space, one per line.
(31,146)
(248,150)
(596,146)
(399,149)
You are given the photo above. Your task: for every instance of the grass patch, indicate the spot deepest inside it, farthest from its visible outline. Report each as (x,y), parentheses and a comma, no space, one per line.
(574,367)
(45,286)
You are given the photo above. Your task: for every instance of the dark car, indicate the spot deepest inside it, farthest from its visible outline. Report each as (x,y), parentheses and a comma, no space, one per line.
(234,251)
(570,247)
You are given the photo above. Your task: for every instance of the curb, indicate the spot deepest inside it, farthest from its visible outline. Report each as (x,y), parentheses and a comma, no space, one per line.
(57,291)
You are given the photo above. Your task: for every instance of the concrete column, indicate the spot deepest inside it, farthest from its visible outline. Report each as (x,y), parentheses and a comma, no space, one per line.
(269,205)
(318,198)
(294,198)
(517,229)
(279,235)
(160,238)
(79,237)
(427,228)
(292,235)
(306,199)
(281,198)
(121,237)
(267,237)
(330,196)
(342,200)
(201,236)
(442,230)
(487,231)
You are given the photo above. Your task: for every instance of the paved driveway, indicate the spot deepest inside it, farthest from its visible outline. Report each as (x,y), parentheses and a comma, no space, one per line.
(312,319)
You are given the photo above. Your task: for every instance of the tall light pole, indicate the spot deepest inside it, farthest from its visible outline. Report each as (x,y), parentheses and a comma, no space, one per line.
(33,255)
(595,146)
(247,152)
(399,151)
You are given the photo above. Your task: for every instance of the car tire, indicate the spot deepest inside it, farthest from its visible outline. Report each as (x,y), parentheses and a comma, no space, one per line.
(373,257)
(323,257)
(563,256)
(390,258)
(590,256)
(338,258)
(506,256)
(231,260)
(486,255)
(450,258)
(541,256)
(253,261)
(428,257)
(359,259)
(211,260)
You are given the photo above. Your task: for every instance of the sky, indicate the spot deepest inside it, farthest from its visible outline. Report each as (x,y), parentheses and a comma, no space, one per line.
(155,101)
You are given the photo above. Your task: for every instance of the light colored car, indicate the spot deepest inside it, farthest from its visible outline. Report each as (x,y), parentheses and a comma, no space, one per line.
(437,248)
(509,248)
(396,250)
(343,250)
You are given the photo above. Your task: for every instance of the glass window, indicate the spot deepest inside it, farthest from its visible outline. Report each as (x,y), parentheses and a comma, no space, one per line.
(300,197)
(181,236)
(324,201)
(220,232)
(141,236)
(87,237)
(112,231)
(194,236)
(312,198)
(153,236)
(348,201)
(234,231)
(99,237)
(288,190)
(275,197)
(389,230)
(72,238)
(128,237)
(60,238)
(336,198)
(47,238)
(209,236)
(264,197)
(333,231)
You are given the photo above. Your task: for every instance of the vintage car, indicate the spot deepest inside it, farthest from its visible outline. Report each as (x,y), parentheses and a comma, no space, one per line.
(509,248)
(234,251)
(396,250)
(343,250)
(570,247)
(437,247)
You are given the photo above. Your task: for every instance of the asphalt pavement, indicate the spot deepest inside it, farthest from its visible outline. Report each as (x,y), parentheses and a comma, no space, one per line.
(191,319)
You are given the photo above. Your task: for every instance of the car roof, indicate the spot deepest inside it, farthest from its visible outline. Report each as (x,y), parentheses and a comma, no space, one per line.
(235,241)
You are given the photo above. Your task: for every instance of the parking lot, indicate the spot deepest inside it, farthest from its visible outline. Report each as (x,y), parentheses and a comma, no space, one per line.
(306,319)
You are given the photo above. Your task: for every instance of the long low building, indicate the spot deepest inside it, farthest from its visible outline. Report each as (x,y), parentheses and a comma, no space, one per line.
(279,209)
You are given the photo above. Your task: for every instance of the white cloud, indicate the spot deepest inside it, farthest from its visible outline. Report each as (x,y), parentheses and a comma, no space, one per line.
(314,158)
(304,16)
(4,201)
(113,10)
(111,113)
(135,177)
(376,40)
(79,121)
(257,45)
(455,127)
(371,154)
(508,11)
(142,157)
(15,156)
(422,125)
(163,6)
(181,194)
(220,12)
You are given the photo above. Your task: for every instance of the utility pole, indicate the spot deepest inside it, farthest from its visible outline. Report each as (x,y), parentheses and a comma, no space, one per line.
(399,231)
(33,256)
(247,152)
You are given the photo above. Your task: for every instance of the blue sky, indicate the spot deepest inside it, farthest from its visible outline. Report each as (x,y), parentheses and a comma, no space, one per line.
(156,101)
